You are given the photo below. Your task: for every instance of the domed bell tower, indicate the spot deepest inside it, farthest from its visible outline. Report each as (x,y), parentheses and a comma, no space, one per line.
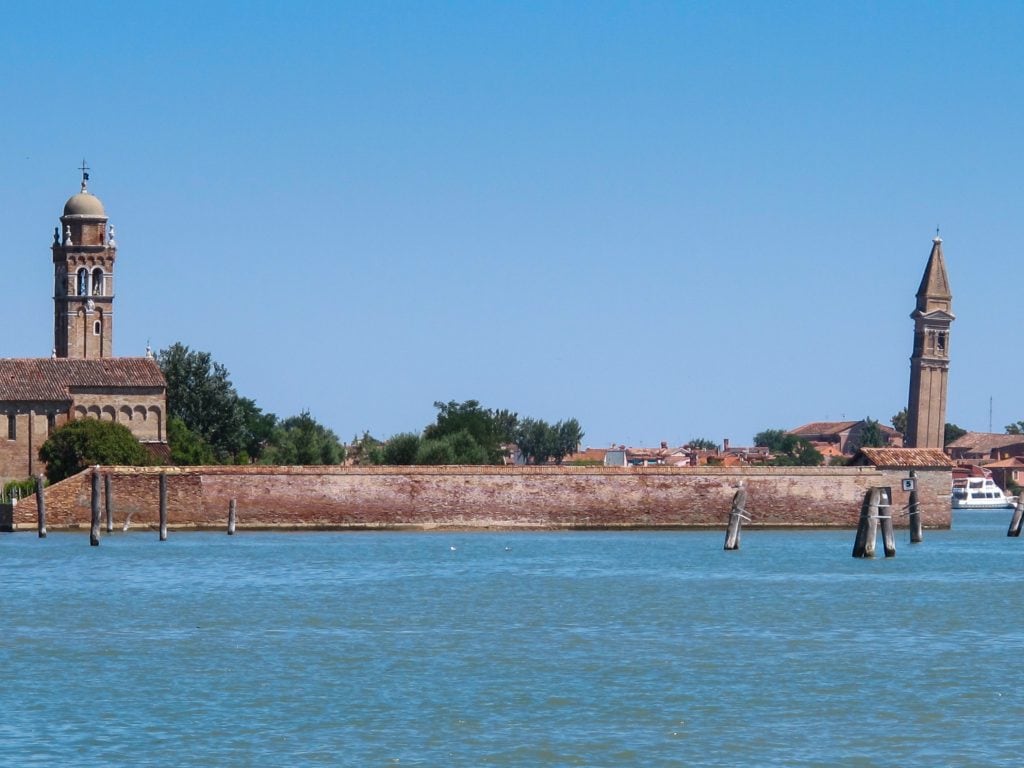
(83,282)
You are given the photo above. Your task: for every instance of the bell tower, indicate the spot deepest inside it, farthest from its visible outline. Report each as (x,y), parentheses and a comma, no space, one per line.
(929,364)
(83,278)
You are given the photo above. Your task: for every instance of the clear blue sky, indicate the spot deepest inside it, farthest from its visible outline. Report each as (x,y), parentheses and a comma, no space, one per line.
(668,220)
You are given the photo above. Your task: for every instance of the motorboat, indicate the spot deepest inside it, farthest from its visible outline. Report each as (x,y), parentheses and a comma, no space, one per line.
(980,493)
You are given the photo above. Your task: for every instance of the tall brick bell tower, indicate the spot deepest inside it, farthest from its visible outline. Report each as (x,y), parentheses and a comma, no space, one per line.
(929,364)
(83,278)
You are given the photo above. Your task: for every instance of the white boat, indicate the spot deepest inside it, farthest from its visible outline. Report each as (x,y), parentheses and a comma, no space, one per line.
(980,493)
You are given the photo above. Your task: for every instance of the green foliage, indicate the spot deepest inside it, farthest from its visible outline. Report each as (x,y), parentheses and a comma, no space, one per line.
(1017,428)
(456,448)
(489,429)
(539,441)
(187,448)
(952,432)
(702,444)
(899,422)
(18,489)
(788,450)
(85,442)
(871,435)
(401,449)
(301,440)
(200,393)
(366,451)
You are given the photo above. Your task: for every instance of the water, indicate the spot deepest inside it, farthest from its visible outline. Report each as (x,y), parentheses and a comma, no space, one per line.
(512,649)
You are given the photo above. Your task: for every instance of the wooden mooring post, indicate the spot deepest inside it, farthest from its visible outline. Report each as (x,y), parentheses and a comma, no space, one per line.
(40,507)
(94,527)
(876,508)
(916,525)
(737,515)
(1018,517)
(885,518)
(232,516)
(163,506)
(108,503)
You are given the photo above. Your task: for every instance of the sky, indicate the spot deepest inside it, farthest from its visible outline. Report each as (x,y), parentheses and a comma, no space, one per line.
(667,220)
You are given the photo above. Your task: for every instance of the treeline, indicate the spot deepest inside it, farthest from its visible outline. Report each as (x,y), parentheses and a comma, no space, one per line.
(468,433)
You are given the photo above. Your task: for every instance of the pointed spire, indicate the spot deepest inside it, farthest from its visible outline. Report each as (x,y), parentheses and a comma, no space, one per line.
(934,293)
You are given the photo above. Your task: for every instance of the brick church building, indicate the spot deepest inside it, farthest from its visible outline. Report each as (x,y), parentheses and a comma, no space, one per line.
(82,378)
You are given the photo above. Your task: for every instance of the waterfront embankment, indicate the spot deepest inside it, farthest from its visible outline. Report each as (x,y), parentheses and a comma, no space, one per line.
(485,497)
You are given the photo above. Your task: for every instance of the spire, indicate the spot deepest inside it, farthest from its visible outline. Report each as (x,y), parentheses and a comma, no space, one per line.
(934,293)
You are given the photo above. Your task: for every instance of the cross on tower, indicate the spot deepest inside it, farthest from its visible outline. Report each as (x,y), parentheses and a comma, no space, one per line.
(85,174)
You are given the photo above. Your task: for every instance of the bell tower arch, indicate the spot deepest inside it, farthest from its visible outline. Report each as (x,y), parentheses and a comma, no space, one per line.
(83,284)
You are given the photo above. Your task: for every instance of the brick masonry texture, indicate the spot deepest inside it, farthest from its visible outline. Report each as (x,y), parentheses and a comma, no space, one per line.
(486,497)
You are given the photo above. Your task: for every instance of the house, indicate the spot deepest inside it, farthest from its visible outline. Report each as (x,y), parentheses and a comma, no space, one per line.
(844,436)
(981,446)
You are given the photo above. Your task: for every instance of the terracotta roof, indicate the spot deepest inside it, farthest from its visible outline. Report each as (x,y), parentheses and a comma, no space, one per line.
(1014,462)
(984,442)
(909,458)
(835,427)
(44,378)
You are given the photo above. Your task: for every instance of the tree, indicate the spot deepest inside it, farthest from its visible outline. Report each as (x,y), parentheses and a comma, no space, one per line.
(952,432)
(401,449)
(1017,428)
(702,444)
(366,451)
(302,441)
(200,393)
(85,442)
(568,436)
(871,435)
(787,449)
(187,448)
(489,429)
(899,422)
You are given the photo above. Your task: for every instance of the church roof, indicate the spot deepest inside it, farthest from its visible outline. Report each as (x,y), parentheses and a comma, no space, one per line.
(933,293)
(903,458)
(50,379)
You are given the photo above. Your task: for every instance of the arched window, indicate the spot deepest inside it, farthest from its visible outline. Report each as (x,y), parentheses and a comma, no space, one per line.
(83,282)
(97,281)
(97,328)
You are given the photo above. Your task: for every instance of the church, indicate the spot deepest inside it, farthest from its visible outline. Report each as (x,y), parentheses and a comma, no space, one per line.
(82,378)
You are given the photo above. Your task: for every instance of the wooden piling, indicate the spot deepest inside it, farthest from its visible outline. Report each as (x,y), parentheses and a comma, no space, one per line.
(94,527)
(916,527)
(867,528)
(736,515)
(108,503)
(232,516)
(885,518)
(40,507)
(163,506)
(1018,517)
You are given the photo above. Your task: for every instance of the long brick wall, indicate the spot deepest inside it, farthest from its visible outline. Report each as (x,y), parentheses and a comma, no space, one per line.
(485,497)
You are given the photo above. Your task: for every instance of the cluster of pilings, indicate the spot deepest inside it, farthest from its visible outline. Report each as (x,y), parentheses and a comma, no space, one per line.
(107,496)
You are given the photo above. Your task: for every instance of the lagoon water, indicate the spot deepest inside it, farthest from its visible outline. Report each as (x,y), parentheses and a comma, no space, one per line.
(512,649)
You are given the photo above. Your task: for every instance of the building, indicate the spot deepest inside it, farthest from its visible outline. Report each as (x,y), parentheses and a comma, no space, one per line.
(82,378)
(929,363)
(842,438)
(985,446)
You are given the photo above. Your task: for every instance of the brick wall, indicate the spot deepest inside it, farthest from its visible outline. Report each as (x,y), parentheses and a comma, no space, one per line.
(476,497)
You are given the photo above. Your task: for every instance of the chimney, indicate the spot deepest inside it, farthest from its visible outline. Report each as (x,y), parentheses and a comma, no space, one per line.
(725,444)
(664,444)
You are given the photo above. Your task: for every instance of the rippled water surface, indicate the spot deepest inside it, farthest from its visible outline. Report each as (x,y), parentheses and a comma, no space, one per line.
(512,649)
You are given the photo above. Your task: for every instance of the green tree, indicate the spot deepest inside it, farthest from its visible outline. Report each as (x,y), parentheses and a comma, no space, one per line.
(1017,428)
(200,393)
(871,435)
(899,422)
(489,429)
(301,440)
(952,432)
(401,449)
(567,438)
(259,428)
(702,444)
(535,440)
(85,442)
(187,448)
(788,450)
(366,451)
